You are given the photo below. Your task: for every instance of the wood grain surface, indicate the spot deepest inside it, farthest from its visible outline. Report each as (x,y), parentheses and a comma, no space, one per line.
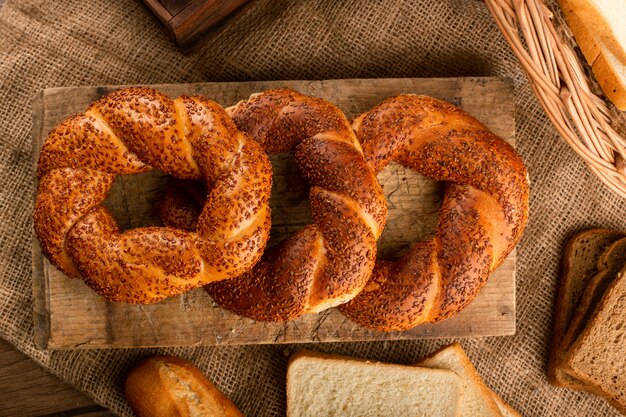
(69,315)
(28,390)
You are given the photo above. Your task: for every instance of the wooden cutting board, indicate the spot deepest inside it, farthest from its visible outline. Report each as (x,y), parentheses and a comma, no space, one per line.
(69,315)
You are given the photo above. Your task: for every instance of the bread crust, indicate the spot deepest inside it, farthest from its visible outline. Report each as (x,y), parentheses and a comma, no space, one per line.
(597,57)
(589,13)
(326,263)
(611,384)
(505,408)
(471,372)
(135,130)
(569,294)
(482,217)
(307,354)
(164,386)
(609,266)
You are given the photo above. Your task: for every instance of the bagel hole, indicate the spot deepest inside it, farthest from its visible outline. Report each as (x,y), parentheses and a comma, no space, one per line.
(413,203)
(133,199)
(290,198)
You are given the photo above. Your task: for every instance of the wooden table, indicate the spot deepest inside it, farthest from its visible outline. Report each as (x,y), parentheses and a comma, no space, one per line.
(28,390)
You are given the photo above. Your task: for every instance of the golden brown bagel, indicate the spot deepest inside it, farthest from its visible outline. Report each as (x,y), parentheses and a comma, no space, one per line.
(130,131)
(326,263)
(483,214)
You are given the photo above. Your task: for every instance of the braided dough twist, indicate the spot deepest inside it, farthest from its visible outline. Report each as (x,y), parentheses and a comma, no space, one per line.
(326,263)
(131,131)
(483,214)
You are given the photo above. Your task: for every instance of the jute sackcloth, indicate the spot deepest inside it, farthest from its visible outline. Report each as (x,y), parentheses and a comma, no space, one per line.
(68,43)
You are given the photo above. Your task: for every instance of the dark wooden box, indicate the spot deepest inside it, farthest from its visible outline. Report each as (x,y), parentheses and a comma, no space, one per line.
(190,22)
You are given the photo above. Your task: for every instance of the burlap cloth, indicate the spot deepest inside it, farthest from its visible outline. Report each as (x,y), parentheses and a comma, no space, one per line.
(68,43)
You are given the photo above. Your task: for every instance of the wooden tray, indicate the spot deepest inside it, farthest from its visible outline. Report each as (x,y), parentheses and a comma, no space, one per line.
(69,315)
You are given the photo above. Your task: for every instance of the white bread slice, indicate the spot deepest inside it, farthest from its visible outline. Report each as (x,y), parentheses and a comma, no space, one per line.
(321,385)
(606,19)
(609,71)
(477,399)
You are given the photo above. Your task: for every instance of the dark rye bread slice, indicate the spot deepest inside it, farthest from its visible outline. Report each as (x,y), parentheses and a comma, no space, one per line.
(598,357)
(580,264)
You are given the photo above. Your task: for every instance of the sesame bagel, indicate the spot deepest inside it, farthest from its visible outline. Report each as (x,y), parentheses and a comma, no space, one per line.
(482,217)
(134,130)
(326,263)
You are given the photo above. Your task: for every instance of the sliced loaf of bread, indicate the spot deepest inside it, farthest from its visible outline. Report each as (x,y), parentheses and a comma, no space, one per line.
(598,357)
(321,385)
(580,264)
(610,263)
(607,18)
(478,400)
(609,71)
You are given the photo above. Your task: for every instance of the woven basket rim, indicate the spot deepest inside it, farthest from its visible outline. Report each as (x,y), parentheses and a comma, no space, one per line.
(562,87)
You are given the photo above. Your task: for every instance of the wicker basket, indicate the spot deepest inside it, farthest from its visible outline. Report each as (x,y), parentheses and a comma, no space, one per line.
(558,78)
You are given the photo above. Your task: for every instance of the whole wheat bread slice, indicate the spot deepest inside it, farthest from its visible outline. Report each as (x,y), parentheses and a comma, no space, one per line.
(580,264)
(323,385)
(598,357)
(478,400)
(610,263)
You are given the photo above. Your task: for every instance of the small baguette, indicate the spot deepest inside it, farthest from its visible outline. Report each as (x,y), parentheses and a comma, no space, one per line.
(167,386)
